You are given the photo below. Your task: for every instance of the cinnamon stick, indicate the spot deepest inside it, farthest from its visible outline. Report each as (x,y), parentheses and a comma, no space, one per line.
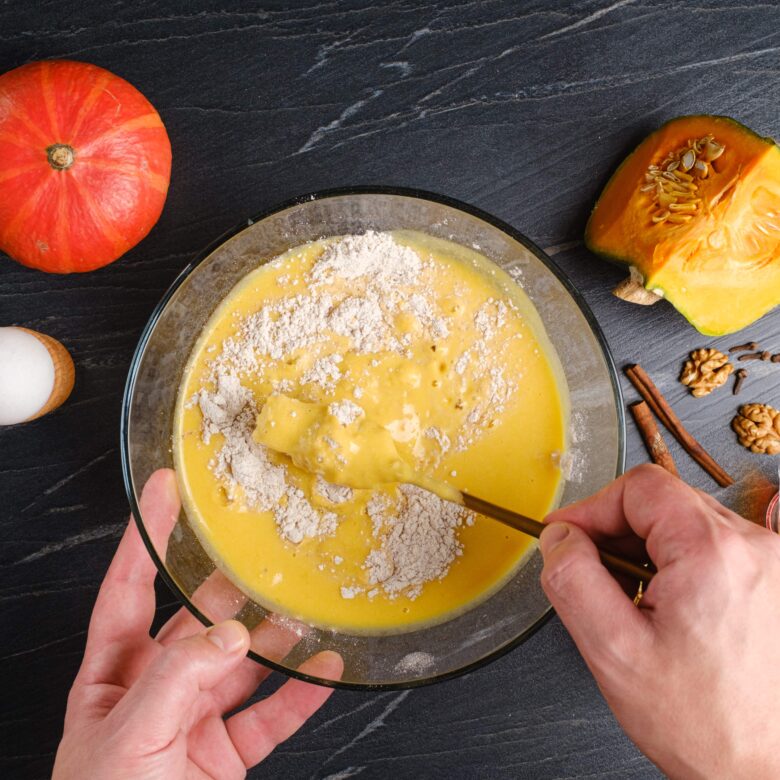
(672,422)
(656,446)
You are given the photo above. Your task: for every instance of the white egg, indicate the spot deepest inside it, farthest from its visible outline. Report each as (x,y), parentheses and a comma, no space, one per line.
(26,375)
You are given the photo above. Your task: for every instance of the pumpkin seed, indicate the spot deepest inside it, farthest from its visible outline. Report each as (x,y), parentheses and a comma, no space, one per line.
(688,160)
(676,188)
(712,151)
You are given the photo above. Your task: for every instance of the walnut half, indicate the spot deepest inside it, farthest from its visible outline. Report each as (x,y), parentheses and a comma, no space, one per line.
(705,370)
(758,428)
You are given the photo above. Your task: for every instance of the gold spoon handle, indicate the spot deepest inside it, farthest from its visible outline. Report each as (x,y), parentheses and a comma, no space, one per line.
(534,528)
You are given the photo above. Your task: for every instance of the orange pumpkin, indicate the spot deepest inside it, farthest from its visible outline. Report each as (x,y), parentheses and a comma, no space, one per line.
(695,212)
(85,164)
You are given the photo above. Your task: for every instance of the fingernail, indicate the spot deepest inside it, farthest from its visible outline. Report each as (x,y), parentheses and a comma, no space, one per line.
(229,636)
(552,536)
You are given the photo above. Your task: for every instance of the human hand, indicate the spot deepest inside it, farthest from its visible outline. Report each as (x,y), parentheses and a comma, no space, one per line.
(690,675)
(153,708)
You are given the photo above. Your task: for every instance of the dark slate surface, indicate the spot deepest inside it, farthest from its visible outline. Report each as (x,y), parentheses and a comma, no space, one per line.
(521,108)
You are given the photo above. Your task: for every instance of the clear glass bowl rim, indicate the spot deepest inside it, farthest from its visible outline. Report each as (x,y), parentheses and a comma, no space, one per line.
(297,201)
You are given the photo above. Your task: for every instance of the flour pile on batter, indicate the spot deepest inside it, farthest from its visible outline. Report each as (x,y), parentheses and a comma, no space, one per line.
(354,295)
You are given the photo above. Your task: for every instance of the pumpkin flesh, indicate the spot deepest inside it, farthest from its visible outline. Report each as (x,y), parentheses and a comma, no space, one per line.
(721,267)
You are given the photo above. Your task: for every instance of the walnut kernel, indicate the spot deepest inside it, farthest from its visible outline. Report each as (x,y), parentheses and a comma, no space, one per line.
(758,428)
(705,370)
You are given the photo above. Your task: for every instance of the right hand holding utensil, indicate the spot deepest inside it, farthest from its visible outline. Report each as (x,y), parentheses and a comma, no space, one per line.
(691,674)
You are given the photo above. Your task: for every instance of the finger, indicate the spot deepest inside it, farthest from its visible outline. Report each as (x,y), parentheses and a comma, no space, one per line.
(647,501)
(257,730)
(272,641)
(219,600)
(602,620)
(125,605)
(179,626)
(602,514)
(628,545)
(235,689)
(153,711)
(216,598)
(209,748)
(731,518)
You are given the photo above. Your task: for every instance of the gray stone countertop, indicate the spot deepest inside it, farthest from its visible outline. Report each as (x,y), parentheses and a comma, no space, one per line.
(520,108)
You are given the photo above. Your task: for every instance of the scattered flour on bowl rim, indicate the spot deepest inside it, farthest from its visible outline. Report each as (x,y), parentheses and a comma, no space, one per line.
(416,662)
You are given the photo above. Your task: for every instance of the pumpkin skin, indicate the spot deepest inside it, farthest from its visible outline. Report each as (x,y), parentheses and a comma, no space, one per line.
(85,164)
(721,267)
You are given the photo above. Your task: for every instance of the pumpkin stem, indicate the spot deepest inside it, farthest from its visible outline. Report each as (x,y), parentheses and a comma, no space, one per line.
(633,290)
(60,156)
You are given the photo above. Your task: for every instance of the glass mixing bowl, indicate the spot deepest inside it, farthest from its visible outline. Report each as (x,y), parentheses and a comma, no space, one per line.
(428,654)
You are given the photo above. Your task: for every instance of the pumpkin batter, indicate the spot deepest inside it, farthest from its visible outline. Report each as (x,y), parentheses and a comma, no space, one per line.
(413,349)
(357,453)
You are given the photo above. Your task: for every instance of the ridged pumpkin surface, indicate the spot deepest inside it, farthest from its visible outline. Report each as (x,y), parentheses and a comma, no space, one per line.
(85,163)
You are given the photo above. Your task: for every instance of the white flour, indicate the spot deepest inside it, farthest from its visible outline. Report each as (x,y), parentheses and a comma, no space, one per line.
(440,438)
(416,662)
(243,466)
(325,372)
(489,320)
(423,310)
(346,411)
(373,257)
(336,494)
(418,541)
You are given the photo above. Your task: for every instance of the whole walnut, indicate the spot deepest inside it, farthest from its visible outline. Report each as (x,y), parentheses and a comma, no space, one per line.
(705,370)
(758,428)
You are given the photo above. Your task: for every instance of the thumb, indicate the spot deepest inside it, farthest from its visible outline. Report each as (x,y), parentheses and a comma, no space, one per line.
(151,714)
(602,620)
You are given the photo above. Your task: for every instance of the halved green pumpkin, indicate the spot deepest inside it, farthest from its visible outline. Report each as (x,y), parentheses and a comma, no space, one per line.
(695,212)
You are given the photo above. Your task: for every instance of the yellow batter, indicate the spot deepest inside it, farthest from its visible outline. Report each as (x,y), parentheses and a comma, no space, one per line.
(454,381)
(359,453)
